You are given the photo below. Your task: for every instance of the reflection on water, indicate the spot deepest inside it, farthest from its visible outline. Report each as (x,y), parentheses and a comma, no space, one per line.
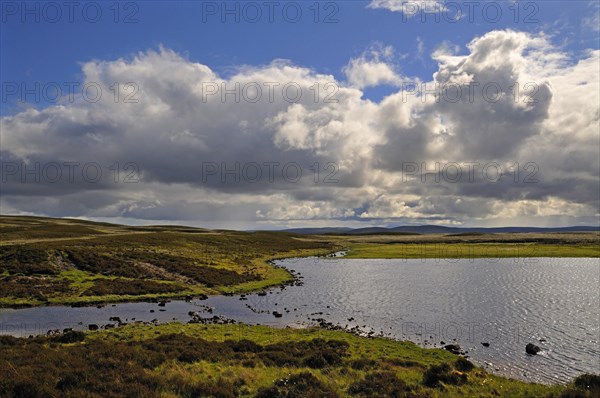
(554,303)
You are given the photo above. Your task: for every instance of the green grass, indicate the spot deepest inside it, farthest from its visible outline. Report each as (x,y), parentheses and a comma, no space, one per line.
(176,360)
(470,250)
(40,265)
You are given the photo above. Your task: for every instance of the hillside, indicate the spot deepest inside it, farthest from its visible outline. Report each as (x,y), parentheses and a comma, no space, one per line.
(60,261)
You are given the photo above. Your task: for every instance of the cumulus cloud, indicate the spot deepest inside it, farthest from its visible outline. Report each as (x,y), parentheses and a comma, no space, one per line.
(372,68)
(284,145)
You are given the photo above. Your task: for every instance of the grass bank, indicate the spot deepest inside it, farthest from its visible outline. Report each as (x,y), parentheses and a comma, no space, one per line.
(176,360)
(500,245)
(71,262)
(470,250)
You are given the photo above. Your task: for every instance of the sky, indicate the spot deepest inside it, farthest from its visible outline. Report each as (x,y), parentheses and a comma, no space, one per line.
(280,114)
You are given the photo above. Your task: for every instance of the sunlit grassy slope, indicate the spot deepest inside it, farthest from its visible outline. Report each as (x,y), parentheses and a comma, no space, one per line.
(50,261)
(175,360)
(517,245)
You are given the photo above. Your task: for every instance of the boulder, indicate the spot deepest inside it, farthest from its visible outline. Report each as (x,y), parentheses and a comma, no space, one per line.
(532,349)
(453,348)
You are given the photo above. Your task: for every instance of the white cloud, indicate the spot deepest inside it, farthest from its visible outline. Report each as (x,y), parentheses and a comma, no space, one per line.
(372,68)
(361,146)
(409,7)
(420,47)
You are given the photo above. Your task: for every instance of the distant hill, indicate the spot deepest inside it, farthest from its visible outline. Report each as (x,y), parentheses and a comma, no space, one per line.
(402,230)
(435,229)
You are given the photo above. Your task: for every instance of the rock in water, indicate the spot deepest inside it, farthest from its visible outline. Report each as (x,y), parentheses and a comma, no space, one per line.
(532,349)
(453,348)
